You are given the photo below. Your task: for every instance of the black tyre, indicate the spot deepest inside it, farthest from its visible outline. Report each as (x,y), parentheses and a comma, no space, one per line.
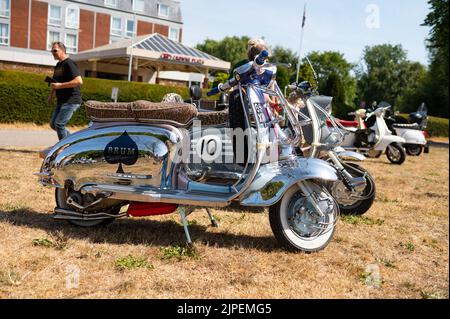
(395,153)
(414,149)
(349,206)
(297,226)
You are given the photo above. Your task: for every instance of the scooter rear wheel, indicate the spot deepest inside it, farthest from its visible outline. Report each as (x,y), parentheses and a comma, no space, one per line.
(61,196)
(414,149)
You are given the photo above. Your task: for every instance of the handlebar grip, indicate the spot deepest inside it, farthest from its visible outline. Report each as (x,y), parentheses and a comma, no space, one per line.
(212,92)
(261,58)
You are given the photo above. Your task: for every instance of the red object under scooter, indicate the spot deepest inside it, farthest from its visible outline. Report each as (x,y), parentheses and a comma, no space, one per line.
(344,123)
(137,209)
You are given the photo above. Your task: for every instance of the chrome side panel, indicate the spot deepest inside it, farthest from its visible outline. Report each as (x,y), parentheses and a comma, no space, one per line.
(82,158)
(274,179)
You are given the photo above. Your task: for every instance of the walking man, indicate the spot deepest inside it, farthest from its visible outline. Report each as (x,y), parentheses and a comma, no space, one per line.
(66,88)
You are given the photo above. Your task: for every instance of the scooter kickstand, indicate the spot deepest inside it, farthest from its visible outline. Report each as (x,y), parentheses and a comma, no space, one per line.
(186,231)
(211,218)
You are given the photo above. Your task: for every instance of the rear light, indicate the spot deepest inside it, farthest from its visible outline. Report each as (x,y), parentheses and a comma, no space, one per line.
(425,134)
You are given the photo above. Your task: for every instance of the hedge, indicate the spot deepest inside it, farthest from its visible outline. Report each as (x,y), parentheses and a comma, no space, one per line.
(23,96)
(437,126)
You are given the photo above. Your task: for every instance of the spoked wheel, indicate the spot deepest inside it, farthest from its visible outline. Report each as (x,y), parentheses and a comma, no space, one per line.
(357,202)
(414,149)
(395,153)
(297,223)
(110,206)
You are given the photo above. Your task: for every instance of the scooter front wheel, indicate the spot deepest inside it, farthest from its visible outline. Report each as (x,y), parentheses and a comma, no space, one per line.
(304,223)
(354,203)
(395,153)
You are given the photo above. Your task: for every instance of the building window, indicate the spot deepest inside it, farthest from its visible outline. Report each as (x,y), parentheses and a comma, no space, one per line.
(53,36)
(116,26)
(54,15)
(138,5)
(4,8)
(174,34)
(4,34)
(111,3)
(131,30)
(71,43)
(163,10)
(72,17)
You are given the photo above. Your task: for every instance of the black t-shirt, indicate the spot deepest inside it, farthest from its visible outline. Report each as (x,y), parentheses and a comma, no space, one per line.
(66,71)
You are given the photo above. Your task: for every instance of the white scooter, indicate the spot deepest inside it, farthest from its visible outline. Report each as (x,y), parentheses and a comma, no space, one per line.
(412,130)
(372,137)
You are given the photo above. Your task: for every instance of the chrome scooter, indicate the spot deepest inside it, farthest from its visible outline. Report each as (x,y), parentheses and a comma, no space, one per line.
(137,159)
(355,191)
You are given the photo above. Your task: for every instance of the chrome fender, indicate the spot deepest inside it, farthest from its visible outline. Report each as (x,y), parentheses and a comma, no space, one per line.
(342,153)
(274,179)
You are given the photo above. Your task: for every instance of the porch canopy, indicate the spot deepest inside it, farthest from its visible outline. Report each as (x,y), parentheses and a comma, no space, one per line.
(154,52)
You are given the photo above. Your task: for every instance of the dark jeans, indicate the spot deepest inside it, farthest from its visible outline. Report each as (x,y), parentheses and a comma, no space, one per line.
(61,116)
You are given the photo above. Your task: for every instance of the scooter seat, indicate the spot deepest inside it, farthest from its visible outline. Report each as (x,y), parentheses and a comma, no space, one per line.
(176,114)
(213,118)
(413,126)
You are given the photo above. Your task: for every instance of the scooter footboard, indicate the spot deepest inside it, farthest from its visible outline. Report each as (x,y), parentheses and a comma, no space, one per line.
(274,179)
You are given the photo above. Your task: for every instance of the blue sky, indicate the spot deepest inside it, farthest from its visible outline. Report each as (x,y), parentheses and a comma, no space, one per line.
(346,26)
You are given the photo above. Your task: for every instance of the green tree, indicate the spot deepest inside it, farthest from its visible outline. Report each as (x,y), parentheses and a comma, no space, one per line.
(437,88)
(415,76)
(334,87)
(231,49)
(386,75)
(305,73)
(282,55)
(331,62)
(221,77)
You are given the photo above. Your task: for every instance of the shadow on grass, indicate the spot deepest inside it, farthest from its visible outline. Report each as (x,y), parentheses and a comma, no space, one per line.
(135,231)
(438,144)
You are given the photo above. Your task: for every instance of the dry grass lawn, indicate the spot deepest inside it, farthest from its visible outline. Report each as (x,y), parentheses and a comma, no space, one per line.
(405,235)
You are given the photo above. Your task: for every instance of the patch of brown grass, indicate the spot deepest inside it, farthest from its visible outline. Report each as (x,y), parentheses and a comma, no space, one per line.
(405,234)
(34,127)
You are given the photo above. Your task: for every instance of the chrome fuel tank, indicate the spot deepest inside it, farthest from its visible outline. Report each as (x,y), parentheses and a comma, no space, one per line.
(123,154)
